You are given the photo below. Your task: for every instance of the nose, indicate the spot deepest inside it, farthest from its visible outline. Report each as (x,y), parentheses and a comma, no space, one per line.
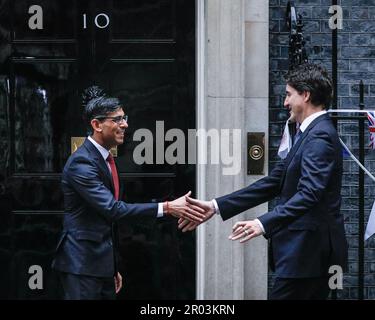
(286,103)
(124,125)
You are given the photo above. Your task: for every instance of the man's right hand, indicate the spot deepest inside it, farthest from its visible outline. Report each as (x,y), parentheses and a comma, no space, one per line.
(209,211)
(180,208)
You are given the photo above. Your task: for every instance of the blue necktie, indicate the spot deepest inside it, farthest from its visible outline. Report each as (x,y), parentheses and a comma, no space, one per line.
(297,136)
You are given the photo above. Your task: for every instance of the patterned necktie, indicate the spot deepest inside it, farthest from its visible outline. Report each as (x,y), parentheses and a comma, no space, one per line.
(297,136)
(111,162)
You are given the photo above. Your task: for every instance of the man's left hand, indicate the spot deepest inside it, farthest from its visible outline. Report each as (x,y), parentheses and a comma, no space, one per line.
(245,230)
(118,282)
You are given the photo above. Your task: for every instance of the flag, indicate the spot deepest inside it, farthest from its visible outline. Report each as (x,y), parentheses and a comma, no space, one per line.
(345,154)
(371,127)
(370,228)
(286,142)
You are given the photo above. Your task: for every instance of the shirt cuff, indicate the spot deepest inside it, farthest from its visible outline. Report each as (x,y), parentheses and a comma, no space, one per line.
(160,210)
(217,210)
(260,225)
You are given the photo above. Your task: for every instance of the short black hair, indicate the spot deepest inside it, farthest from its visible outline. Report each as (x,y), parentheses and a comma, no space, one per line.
(314,79)
(96,103)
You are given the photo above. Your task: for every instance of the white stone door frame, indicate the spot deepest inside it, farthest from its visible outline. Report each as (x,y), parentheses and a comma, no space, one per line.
(200,32)
(231,92)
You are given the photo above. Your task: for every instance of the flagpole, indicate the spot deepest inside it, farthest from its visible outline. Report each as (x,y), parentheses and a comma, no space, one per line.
(349,111)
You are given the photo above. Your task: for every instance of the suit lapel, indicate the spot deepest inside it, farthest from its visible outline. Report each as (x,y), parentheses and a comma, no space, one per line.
(98,158)
(294,149)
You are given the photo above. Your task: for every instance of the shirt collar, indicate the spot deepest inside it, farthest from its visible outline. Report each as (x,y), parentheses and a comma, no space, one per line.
(305,123)
(103,151)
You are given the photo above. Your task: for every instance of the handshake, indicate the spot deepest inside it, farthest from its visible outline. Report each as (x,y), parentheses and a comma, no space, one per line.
(192,212)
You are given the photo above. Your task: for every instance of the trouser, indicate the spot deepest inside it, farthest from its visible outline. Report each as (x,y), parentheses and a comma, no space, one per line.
(82,287)
(300,289)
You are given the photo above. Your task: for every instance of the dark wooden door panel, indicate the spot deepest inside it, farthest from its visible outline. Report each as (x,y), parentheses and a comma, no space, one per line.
(145,56)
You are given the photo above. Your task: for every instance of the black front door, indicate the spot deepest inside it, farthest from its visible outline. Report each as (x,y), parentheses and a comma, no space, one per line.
(141,51)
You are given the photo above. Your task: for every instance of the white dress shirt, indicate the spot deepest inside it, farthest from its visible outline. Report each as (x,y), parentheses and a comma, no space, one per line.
(305,123)
(105,153)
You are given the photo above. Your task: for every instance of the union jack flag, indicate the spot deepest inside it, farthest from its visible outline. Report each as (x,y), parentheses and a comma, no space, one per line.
(371,127)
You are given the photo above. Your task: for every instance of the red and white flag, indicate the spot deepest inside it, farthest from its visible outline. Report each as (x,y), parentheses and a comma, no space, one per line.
(371,128)
(370,228)
(286,142)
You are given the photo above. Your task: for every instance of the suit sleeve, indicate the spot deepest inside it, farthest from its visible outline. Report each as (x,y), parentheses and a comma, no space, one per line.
(83,175)
(317,164)
(261,191)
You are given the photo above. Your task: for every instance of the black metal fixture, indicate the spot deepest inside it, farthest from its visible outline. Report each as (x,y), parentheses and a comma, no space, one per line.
(297,51)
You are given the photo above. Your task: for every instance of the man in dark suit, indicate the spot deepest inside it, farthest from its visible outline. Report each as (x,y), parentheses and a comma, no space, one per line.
(85,254)
(305,230)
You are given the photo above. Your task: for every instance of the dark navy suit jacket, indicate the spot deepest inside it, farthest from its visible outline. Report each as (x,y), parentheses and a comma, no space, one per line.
(306,229)
(86,245)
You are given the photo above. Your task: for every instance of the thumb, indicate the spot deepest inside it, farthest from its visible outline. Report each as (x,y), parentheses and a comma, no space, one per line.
(188,194)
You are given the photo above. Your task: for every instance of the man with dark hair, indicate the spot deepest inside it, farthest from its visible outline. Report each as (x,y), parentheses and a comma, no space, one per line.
(305,230)
(314,79)
(85,254)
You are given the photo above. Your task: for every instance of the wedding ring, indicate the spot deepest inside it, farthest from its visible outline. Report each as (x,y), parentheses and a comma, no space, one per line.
(246,232)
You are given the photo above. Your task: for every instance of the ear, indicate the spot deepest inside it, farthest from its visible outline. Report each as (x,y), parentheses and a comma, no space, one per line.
(96,125)
(306,96)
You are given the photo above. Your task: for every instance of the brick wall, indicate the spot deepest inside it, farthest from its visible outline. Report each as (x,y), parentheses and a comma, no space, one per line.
(356,61)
